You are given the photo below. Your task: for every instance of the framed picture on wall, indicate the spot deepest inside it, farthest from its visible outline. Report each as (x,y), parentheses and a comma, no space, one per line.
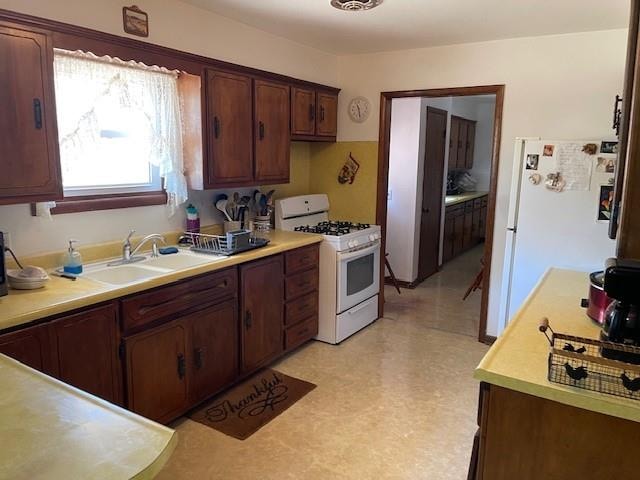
(135,21)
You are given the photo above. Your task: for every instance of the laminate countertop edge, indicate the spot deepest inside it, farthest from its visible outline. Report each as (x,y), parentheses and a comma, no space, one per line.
(450,200)
(518,360)
(59,296)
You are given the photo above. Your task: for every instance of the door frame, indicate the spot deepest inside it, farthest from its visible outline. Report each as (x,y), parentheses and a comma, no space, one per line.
(438,111)
(384,141)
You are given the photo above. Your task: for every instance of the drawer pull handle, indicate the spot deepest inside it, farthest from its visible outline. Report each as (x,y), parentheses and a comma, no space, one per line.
(199,357)
(248,321)
(312,113)
(181,366)
(216,127)
(37,113)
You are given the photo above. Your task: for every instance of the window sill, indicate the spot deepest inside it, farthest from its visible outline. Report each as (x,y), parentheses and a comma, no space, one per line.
(92,203)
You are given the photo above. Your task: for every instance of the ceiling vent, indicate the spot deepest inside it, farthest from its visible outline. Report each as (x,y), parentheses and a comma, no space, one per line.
(355,5)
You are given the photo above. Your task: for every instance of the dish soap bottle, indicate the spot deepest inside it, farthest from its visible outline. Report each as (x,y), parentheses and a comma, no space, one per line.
(72,261)
(193,220)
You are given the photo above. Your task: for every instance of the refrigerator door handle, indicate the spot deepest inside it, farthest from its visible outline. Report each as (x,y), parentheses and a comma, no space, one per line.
(512,229)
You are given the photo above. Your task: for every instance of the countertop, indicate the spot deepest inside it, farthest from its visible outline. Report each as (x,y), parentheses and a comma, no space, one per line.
(62,295)
(463,197)
(51,430)
(518,359)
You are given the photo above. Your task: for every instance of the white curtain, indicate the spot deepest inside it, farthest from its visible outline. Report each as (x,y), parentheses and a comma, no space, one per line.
(82,80)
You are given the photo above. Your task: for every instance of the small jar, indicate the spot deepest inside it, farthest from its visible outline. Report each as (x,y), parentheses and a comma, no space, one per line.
(262,226)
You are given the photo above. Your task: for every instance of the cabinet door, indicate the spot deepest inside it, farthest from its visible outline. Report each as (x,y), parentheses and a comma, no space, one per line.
(453,143)
(230,127)
(467,236)
(272,132)
(462,143)
(156,371)
(447,245)
(262,297)
(213,349)
(458,234)
(303,111)
(483,222)
(87,352)
(477,233)
(30,346)
(327,121)
(471,138)
(28,133)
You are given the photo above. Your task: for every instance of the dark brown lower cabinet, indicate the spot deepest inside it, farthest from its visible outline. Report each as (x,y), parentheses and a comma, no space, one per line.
(87,352)
(213,349)
(156,372)
(464,227)
(30,346)
(526,437)
(261,307)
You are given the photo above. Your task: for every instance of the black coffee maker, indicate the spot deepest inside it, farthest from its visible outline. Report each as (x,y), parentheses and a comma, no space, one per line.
(621,323)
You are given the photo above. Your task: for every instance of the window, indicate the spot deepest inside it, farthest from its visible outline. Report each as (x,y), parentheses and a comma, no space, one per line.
(119,128)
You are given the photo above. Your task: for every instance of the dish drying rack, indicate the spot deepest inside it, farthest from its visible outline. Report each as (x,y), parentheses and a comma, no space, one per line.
(579,362)
(229,244)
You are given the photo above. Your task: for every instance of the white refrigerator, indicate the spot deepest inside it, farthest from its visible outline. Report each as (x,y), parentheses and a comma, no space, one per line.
(556,225)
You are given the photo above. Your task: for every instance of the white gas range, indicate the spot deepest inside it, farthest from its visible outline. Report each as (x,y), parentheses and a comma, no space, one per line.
(349,265)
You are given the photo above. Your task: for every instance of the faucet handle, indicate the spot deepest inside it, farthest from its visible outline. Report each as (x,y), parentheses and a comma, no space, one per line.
(128,240)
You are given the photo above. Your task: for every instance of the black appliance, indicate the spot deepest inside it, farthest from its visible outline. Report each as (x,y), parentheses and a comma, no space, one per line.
(3,268)
(621,322)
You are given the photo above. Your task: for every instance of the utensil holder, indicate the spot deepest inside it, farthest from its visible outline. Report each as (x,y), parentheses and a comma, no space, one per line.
(232,226)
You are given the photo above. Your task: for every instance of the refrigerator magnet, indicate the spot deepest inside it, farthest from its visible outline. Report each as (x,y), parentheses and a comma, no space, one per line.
(535,178)
(555,182)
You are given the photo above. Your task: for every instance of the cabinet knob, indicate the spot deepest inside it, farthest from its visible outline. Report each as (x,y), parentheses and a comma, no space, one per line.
(261,130)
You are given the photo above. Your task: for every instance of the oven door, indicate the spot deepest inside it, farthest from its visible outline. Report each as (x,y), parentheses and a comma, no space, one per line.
(358,276)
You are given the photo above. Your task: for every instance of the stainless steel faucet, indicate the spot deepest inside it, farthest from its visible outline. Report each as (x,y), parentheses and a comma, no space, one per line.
(129,255)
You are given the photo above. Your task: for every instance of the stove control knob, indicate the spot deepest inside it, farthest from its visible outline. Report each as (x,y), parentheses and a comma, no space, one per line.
(351,244)
(356,243)
(372,237)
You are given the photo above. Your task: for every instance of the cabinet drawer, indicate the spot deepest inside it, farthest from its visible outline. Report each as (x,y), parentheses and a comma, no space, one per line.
(301,259)
(148,307)
(454,211)
(304,307)
(477,203)
(301,283)
(298,334)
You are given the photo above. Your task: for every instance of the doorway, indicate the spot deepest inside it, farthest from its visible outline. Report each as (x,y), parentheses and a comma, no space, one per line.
(433,221)
(431,211)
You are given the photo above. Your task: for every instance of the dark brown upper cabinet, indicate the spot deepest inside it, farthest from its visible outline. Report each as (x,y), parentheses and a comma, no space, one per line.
(272,139)
(461,143)
(28,131)
(327,121)
(229,126)
(314,115)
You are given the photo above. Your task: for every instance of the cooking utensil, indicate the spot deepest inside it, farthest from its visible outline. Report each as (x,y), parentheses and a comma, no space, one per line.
(222,206)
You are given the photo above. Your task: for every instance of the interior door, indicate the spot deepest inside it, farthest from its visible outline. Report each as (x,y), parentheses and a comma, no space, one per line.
(156,371)
(213,349)
(262,299)
(432,192)
(229,124)
(272,132)
(28,133)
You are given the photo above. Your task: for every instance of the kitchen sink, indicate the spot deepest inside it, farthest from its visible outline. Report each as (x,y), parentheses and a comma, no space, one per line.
(180,260)
(124,274)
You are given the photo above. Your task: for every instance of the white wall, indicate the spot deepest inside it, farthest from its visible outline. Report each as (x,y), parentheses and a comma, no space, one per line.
(558,86)
(407,144)
(172,24)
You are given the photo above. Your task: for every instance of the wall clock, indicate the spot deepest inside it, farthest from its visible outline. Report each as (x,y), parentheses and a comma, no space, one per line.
(359,109)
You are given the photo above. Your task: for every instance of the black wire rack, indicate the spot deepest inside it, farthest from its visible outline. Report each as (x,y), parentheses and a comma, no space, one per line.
(595,365)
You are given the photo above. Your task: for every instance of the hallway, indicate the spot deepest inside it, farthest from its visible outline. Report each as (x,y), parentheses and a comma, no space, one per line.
(437,302)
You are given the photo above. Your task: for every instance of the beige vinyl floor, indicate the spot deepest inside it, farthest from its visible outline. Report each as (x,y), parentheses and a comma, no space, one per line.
(395,401)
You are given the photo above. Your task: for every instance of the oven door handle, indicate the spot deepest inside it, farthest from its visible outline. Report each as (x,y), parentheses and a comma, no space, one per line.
(358,253)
